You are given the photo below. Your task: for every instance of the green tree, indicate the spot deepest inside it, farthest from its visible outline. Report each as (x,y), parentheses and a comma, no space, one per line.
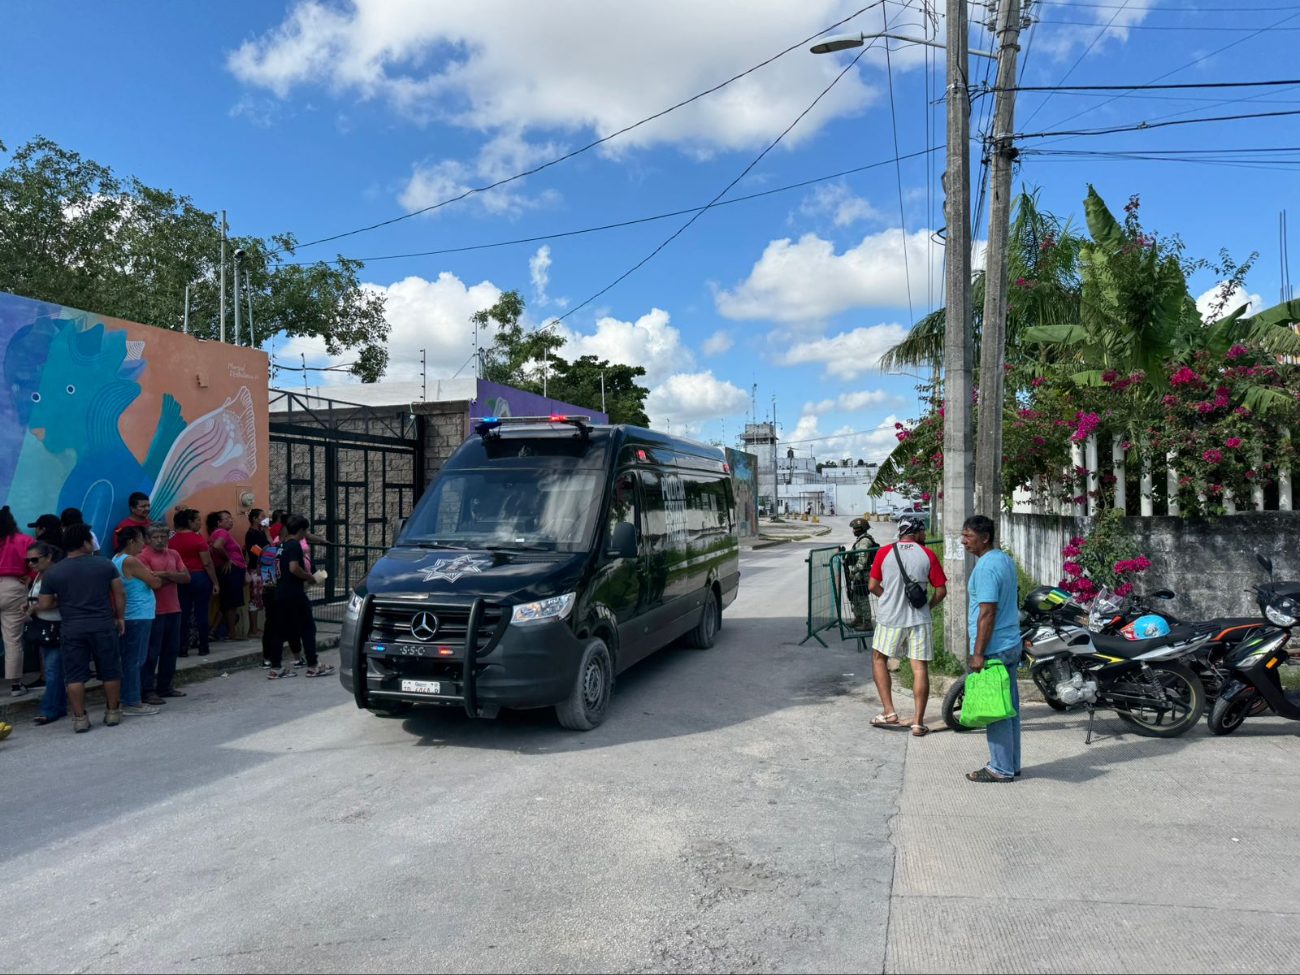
(516,355)
(72,232)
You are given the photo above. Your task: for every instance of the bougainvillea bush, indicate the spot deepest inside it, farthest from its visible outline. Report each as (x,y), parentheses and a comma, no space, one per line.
(1108,557)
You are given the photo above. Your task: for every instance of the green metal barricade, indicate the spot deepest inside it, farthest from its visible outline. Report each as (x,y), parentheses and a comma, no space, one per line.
(848,575)
(823,585)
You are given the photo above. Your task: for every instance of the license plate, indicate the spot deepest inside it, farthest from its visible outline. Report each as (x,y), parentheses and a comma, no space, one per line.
(422,686)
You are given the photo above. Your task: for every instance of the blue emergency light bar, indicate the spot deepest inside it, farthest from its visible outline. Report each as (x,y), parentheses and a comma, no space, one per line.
(486,425)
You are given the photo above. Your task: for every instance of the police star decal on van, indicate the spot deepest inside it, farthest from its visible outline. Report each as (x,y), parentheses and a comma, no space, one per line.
(453,569)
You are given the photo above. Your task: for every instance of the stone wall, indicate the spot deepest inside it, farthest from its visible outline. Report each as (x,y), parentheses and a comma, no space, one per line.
(446,425)
(1208,563)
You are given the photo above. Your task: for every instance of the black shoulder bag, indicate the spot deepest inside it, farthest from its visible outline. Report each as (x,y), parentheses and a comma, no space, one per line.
(917,594)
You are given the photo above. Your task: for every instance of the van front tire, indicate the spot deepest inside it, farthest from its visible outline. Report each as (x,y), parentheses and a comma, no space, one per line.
(705,633)
(588,700)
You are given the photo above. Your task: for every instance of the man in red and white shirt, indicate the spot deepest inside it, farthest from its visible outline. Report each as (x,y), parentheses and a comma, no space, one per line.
(902,629)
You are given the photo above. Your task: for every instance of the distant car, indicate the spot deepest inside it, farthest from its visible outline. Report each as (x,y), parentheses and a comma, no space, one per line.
(911,511)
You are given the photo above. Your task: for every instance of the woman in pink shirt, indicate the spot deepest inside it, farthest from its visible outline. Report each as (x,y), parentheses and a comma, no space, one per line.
(156,677)
(14,582)
(228,557)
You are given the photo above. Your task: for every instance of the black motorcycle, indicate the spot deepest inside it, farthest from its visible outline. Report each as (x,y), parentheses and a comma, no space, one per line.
(1142,681)
(1254,684)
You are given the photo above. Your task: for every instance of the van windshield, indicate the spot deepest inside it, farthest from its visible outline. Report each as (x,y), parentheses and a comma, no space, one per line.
(521,508)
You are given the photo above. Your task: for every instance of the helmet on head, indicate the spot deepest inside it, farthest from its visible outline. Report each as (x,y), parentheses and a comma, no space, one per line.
(1146,628)
(860,526)
(1045,599)
(909,525)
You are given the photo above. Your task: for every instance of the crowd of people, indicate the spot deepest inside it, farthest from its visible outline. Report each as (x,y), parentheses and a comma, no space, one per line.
(123,610)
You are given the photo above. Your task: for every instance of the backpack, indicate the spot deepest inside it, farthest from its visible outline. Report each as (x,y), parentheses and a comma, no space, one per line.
(268,564)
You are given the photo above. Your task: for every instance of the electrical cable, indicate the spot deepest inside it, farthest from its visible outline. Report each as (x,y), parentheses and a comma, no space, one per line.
(1183,27)
(1142,126)
(1172,9)
(898,173)
(623,223)
(743,173)
(591,145)
(1198,84)
(1079,61)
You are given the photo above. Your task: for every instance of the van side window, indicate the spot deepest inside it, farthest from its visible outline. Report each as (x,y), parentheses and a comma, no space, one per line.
(655,523)
(622,506)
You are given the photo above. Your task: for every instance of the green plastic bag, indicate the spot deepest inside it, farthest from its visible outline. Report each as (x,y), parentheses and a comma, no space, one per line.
(987,696)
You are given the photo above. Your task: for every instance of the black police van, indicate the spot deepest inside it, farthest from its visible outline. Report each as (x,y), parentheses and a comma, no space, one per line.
(547,556)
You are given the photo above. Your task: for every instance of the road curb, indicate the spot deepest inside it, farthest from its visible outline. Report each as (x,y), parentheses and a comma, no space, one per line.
(206,670)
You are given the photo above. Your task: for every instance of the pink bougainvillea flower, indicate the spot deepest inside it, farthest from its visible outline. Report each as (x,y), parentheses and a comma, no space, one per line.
(1236,352)
(1038,381)
(1182,377)
(1171,401)
(1072,551)
(1072,569)
(1124,589)
(925,497)
(1077,541)
(1249,475)
(1212,456)
(1232,443)
(898,426)
(1109,376)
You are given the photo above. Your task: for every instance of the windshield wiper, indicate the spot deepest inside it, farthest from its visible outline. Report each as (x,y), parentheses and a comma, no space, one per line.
(430,543)
(516,548)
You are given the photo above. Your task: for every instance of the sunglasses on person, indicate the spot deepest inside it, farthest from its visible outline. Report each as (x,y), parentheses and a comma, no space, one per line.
(33,561)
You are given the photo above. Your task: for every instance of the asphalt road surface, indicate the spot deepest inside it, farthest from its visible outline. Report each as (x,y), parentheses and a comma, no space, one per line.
(733,814)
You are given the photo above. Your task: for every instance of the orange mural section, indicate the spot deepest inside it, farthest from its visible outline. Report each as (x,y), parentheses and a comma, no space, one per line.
(98,408)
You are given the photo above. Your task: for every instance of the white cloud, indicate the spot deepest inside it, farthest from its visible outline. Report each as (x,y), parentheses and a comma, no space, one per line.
(508,153)
(849,354)
(850,402)
(650,341)
(1206,303)
(1062,40)
(838,203)
(568,65)
(718,343)
(871,444)
(689,399)
(806,281)
(539,269)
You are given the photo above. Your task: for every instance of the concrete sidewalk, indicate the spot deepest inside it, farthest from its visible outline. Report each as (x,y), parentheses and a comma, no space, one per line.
(225,657)
(1128,855)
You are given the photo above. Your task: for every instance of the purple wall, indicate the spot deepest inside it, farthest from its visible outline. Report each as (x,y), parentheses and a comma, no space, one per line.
(497,400)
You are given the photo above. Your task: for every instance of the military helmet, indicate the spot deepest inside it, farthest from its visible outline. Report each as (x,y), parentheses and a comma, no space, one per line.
(860,526)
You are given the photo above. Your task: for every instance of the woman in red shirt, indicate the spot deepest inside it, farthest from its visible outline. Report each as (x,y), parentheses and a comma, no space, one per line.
(196,597)
(231,569)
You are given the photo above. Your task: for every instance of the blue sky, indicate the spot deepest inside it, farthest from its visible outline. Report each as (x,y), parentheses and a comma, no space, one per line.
(321,117)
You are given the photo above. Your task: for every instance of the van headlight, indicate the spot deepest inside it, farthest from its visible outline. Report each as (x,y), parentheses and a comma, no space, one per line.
(555,608)
(355,602)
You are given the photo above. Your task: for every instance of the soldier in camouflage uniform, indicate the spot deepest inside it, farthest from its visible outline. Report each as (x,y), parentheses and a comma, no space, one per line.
(858,564)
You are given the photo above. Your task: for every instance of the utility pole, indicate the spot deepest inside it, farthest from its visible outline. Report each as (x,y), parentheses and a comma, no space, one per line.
(222,282)
(993,336)
(775,491)
(185,325)
(235,285)
(424,378)
(602,394)
(958,501)
(248,296)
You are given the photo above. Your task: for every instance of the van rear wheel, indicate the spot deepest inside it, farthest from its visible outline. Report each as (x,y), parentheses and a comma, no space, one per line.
(588,700)
(705,633)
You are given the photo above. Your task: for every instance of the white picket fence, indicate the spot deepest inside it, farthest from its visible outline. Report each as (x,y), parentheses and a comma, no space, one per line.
(1086,455)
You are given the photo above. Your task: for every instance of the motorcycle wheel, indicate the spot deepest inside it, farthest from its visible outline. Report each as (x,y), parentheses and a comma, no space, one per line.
(1184,687)
(952,706)
(1227,716)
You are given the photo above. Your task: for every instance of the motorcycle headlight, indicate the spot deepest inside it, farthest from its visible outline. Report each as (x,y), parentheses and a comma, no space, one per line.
(555,608)
(354,607)
(1277,617)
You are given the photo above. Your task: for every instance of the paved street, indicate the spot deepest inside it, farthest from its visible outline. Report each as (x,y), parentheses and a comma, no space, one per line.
(735,813)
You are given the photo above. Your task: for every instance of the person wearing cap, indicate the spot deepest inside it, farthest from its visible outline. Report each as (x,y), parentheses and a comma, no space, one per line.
(49,529)
(904,629)
(862,554)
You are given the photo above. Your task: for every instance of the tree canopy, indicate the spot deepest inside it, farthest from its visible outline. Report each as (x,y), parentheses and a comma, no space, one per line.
(517,357)
(73,233)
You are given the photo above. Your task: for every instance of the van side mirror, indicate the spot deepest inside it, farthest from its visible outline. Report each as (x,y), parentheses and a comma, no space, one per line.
(622,542)
(397,532)
(1265,561)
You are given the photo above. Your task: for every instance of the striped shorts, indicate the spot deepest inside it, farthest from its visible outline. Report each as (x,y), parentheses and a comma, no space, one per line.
(905,642)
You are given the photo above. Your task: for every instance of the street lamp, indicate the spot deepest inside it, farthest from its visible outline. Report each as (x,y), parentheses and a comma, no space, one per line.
(843,42)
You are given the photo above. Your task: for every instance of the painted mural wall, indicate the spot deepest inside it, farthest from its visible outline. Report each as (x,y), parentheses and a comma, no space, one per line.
(497,400)
(744,483)
(96,408)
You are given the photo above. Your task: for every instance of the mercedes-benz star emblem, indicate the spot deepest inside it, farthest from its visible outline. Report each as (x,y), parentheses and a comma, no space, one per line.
(424,626)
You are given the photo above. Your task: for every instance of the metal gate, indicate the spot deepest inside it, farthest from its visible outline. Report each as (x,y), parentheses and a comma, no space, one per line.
(355,471)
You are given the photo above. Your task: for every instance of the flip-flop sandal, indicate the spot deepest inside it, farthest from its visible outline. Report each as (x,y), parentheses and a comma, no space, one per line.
(889,720)
(919,731)
(984,775)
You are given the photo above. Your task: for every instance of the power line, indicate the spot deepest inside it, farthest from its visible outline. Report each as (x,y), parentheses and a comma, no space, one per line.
(1195,27)
(1079,60)
(898,173)
(1187,85)
(624,223)
(1142,126)
(743,173)
(1173,9)
(591,145)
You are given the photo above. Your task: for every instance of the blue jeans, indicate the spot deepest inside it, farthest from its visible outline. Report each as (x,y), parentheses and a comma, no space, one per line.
(195,599)
(1004,736)
(135,648)
(54,702)
(164,645)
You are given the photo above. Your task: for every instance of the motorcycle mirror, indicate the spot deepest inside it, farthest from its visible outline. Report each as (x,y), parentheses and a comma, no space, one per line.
(1163,594)
(1265,561)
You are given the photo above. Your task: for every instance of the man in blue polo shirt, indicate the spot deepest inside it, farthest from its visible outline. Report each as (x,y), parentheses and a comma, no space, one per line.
(993,622)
